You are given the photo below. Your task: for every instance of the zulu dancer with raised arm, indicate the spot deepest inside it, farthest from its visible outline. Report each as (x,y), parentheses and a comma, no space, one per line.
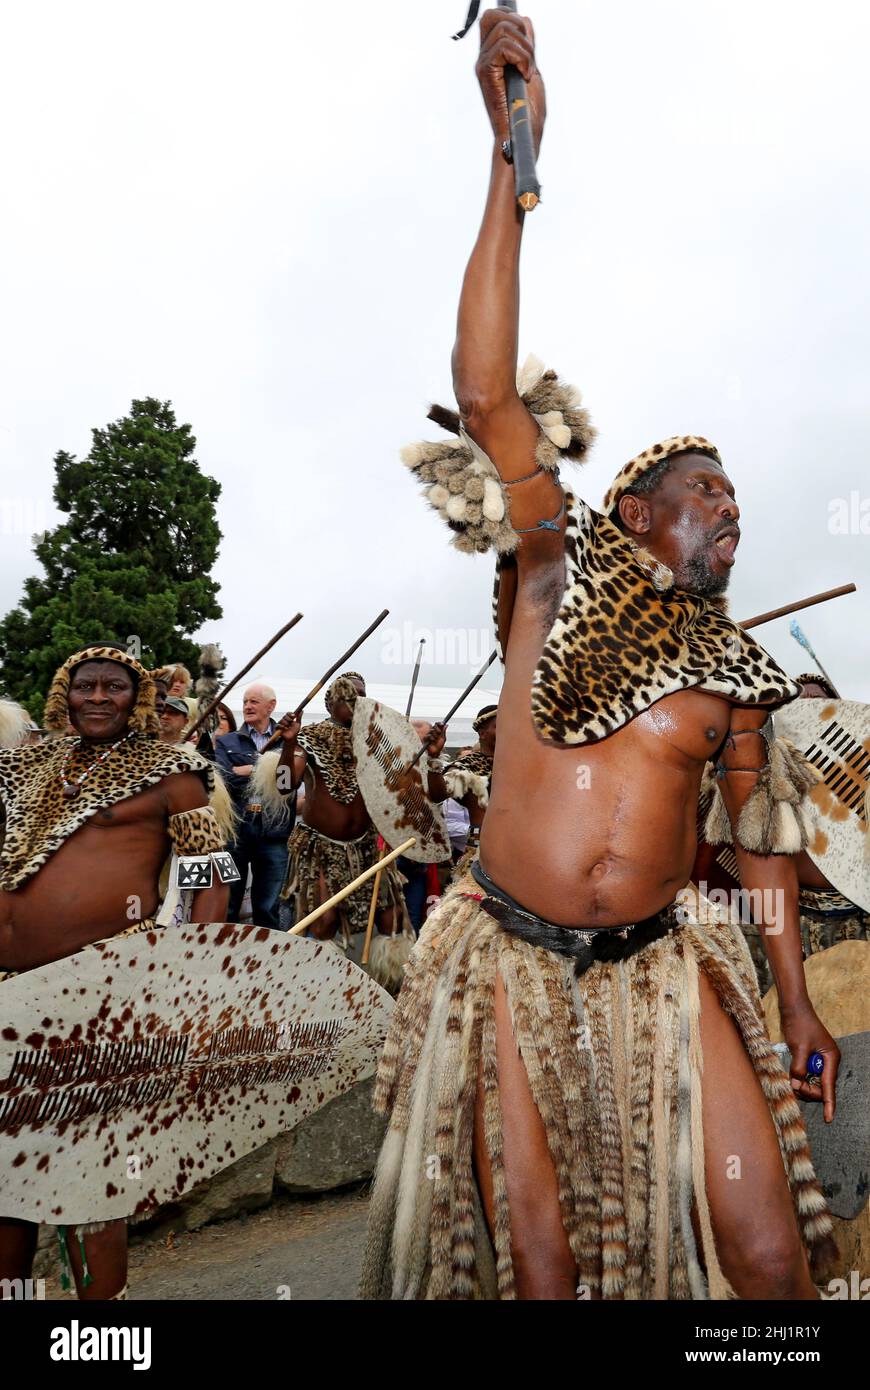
(573,1059)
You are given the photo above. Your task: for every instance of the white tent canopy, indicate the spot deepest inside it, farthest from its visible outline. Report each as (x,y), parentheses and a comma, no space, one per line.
(431,702)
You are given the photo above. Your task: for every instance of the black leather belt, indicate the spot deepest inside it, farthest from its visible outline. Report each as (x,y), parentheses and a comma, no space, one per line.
(583,945)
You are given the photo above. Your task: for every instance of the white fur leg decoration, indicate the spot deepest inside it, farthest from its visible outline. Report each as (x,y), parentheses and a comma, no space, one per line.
(717,826)
(388,957)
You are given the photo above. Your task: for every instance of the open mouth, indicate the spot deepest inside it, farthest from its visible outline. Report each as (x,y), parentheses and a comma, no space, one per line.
(726,544)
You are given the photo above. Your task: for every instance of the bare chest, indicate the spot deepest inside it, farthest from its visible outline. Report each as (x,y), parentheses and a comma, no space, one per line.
(147,809)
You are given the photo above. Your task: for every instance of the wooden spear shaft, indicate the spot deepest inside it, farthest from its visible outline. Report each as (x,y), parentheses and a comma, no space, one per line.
(351,887)
(414,678)
(345,656)
(796,607)
(244,671)
(466,692)
(376,886)
(373,907)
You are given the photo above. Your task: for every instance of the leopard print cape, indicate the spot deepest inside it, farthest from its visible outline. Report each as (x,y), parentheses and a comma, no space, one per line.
(624,638)
(39,819)
(330,748)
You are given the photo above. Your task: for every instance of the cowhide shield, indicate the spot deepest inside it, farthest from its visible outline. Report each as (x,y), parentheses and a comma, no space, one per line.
(835,737)
(384,745)
(140,1066)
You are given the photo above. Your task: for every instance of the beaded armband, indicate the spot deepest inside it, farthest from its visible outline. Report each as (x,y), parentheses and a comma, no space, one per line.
(198,844)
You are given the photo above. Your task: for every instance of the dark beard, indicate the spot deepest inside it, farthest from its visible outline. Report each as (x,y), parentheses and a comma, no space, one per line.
(696,577)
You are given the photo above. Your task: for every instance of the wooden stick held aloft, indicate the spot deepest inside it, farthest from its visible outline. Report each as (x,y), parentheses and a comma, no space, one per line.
(244,671)
(414,678)
(345,656)
(466,692)
(795,607)
(526,185)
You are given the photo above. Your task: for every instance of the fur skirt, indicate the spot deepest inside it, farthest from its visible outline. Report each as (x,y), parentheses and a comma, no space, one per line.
(338,862)
(614,1063)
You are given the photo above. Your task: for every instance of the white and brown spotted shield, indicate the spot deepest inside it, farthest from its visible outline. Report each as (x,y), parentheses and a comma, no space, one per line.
(834,735)
(141,1065)
(384,745)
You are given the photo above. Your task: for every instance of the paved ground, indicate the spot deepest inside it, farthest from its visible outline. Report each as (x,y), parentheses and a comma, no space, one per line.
(300,1249)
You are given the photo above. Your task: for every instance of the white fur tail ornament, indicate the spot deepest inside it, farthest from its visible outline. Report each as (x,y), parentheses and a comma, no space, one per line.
(277,806)
(389,956)
(13,724)
(222,804)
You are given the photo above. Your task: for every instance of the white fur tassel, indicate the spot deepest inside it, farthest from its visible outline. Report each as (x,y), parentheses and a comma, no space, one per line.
(263,783)
(13,724)
(388,958)
(222,804)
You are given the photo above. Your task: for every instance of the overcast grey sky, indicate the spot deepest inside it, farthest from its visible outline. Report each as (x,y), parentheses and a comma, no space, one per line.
(262,213)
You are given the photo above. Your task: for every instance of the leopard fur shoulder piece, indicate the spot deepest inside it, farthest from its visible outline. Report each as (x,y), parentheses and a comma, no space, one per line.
(624,638)
(330,748)
(470,772)
(39,818)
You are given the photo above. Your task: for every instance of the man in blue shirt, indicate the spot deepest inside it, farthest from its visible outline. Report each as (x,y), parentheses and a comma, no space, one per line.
(261,841)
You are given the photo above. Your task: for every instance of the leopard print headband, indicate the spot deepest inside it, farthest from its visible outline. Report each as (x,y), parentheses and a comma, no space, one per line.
(143,716)
(342,688)
(483,717)
(677,444)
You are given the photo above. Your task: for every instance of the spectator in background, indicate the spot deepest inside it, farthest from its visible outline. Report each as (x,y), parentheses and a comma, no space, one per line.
(181,686)
(417,875)
(15,724)
(458,826)
(174,718)
(162,678)
(226,721)
(261,843)
(180,682)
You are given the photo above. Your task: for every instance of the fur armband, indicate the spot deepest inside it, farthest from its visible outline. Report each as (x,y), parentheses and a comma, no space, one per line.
(776,817)
(461,481)
(195,832)
(198,845)
(263,785)
(461,780)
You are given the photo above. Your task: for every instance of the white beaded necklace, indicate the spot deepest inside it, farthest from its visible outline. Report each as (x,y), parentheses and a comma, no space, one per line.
(73,788)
